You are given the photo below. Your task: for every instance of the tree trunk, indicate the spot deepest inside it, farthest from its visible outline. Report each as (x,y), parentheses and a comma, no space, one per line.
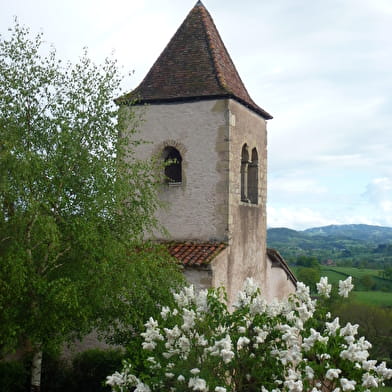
(36,367)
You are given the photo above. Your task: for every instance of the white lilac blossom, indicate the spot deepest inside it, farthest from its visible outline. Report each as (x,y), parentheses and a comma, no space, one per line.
(333,327)
(332,373)
(345,287)
(357,352)
(383,371)
(347,385)
(309,372)
(197,384)
(185,297)
(258,305)
(151,335)
(293,382)
(279,333)
(115,379)
(261,334)
(223,348)
(189,319)
(314,337)
(242,342)
(201,340)
(201,301)
(302,292)
(141,387)
(349,330)
(171,335)
(184,345)
(165,312)
(323,288)
(369,381)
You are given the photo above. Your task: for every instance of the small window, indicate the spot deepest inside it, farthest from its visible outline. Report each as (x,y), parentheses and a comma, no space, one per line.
(253,178)
(173,165)
(244,173)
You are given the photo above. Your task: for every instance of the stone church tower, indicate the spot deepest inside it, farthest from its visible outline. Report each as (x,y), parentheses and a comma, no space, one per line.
(200,119)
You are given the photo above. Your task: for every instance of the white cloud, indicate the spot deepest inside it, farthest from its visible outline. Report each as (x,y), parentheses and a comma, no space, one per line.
(379,194)
(297,218)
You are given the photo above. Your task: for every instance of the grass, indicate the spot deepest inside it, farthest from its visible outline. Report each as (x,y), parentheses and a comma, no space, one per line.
(383,389)
(377,298)
(335,274)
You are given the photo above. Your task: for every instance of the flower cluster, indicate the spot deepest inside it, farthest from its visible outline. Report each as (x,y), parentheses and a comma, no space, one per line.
(288,346)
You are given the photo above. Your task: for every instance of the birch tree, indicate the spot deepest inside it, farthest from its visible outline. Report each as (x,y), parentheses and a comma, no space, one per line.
(71,212)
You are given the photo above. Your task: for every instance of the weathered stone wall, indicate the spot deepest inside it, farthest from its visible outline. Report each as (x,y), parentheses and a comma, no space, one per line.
(198,277)
(196,209)
(278,285)
(247,222)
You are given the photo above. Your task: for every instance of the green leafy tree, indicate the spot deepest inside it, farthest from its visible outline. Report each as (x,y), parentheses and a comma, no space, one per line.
(375,323)
(309,276)
(367,282)
(308,262)
(72,215)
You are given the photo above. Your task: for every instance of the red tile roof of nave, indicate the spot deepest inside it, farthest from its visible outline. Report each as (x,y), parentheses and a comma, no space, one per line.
(195,253)
(194,65)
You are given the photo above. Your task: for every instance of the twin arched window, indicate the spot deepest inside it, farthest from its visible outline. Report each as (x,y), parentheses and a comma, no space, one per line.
(249,175)
(173,165)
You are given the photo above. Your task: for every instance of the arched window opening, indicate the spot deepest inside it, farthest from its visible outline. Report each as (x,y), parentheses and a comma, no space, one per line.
(244,173)
(253,178)
(173,165)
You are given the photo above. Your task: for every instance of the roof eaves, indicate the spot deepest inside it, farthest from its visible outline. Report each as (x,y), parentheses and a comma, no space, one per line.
(276,257)
(132,101)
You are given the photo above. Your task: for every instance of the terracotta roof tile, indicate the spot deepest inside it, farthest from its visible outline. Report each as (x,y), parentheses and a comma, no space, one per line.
(194,65)
(195,254)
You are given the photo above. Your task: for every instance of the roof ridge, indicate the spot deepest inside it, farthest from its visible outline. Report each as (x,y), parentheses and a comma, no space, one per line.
(212,48)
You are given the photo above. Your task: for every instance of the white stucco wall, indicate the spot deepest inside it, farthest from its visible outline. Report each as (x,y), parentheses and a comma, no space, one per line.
(197,209)
(278,285)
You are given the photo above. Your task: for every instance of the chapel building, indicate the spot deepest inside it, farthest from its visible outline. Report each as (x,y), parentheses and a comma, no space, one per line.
(199,118)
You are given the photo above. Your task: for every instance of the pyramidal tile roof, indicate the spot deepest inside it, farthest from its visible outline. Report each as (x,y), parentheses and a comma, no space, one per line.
(194,65)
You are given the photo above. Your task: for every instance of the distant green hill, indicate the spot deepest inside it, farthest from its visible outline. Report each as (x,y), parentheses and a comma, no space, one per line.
(351,245)
(375,234)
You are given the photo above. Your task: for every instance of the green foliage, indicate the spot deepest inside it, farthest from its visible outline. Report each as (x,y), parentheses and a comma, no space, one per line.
(89,369)
(14,377)
(57,375)
(309,276)
(375,324)
(376,298)
(73,210)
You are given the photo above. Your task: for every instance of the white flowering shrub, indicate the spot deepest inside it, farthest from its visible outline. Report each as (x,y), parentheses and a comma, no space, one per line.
(291,345)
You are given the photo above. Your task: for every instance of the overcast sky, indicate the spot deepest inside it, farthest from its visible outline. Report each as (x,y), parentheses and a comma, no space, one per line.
(322,68)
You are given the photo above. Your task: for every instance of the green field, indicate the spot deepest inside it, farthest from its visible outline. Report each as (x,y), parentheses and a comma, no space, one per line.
(374,297)
(335,274)
(383,389)
(377,298)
